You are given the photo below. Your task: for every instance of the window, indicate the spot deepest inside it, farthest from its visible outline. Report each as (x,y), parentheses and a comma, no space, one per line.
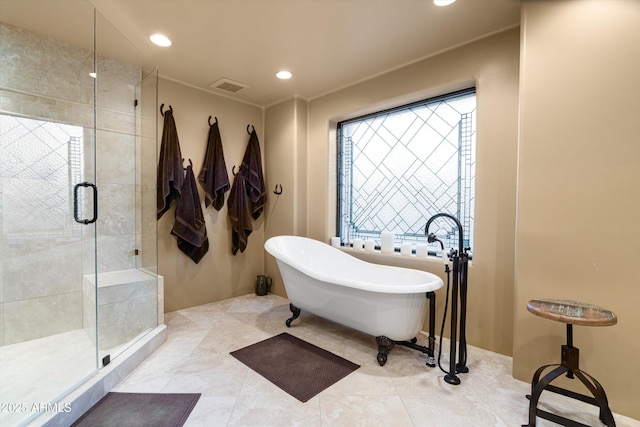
(40,161)
(398,167)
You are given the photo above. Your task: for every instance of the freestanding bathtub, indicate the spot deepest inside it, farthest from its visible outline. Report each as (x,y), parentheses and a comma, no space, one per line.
(384,301)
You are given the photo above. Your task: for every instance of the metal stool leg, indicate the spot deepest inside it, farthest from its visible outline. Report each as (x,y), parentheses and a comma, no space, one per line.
(569,365)
(536,376)
(600,397)
(538,388)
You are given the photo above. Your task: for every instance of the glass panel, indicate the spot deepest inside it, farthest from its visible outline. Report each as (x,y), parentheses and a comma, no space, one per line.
(127,293)
(47,333)
(146,123)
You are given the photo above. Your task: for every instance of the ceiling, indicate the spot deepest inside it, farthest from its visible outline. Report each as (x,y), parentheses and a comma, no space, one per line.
(326,44)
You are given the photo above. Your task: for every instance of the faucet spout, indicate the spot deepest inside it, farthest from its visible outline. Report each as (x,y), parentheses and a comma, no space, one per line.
(431,237)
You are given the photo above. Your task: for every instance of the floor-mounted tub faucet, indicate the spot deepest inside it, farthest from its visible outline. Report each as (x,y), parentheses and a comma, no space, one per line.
(460,261)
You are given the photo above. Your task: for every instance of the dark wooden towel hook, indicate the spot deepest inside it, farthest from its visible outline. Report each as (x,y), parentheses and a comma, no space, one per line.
(233,170)
(162,106)
(254,129)
(276,191)
(211,124)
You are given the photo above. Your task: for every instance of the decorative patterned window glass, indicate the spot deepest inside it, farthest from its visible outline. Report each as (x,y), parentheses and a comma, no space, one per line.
(399,167)
(40,161)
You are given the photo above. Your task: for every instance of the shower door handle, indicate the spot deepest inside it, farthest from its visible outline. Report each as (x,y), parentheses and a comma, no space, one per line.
(95,203)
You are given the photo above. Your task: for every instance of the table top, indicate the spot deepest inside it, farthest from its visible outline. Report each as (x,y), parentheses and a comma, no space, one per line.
(573,312)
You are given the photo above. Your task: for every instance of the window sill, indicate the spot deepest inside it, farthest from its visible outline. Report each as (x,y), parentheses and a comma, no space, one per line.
(431,264)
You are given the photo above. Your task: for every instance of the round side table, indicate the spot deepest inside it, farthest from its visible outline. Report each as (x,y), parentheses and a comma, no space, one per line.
(571,313)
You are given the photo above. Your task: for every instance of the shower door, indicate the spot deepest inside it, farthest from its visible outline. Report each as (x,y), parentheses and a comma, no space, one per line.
(48,251)
(48,209)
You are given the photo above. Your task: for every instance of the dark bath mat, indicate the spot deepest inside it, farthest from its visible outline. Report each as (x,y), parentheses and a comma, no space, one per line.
(140,410)
(296,366)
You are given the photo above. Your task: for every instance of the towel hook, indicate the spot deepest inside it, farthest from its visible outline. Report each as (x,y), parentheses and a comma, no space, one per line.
(276,191)
(233,170)
(210,121)
(254,129)
(162,106)
(183,168)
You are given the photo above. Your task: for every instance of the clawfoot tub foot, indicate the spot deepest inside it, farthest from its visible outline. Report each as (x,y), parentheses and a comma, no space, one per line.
(296,312)
(384,347)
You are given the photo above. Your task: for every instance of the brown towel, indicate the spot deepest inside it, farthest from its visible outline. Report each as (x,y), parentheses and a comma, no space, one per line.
(239,215)
(213,175)
(189,226)
(248,196)
(170,172)
(252,165)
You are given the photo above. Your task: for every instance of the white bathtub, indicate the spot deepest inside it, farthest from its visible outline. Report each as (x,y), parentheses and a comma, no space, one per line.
(384,301)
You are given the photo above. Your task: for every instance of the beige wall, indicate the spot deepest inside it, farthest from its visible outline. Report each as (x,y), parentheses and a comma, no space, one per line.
(286,133)
(492,64)
(578,176)
(219,274)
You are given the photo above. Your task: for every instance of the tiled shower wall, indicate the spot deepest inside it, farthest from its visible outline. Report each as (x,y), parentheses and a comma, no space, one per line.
(41,273)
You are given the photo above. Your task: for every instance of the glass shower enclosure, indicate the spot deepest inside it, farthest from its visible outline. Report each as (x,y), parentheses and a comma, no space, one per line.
(78,239)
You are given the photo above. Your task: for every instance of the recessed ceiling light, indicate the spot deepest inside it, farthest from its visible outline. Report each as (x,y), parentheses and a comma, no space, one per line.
(94,75)
(443,2)
(160,40)
(284,75)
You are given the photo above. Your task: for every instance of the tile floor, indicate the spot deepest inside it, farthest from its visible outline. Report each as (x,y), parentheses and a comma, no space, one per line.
(26,374)
(404,392)
(27,377)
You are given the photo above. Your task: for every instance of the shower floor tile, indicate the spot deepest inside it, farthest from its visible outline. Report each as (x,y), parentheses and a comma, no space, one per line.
(41,370)
(38,372)
(405,392)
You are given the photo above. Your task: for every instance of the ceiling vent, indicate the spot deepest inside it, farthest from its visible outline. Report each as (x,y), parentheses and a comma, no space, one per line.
(228,85)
